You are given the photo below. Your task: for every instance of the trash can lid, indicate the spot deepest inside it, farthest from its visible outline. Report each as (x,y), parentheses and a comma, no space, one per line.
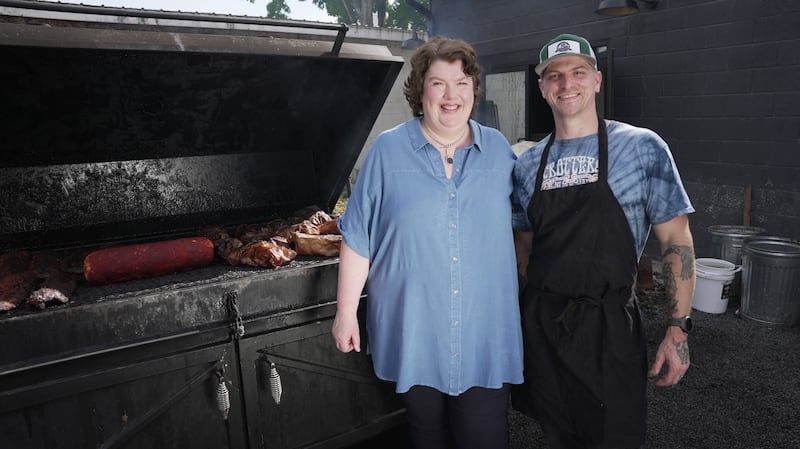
(773,246)
(735,231)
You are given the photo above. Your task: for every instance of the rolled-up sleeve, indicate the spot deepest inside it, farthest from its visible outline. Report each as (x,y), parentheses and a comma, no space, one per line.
(524,177)
(356,222)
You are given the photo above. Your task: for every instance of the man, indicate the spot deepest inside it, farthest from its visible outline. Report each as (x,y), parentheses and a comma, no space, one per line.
(585,199)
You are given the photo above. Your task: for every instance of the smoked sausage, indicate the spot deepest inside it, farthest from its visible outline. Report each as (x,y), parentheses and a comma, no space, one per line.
(139,261)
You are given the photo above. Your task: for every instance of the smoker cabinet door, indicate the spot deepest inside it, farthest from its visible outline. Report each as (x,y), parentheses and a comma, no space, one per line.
(124,401)
(328,399)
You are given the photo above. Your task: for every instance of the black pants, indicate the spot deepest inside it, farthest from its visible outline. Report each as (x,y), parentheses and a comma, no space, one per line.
(476,419)
(557,439)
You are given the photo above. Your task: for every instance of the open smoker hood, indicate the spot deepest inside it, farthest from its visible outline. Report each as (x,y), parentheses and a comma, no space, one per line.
(123,130)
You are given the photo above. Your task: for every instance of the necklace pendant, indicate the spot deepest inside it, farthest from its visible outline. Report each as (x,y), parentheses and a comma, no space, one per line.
(449,160)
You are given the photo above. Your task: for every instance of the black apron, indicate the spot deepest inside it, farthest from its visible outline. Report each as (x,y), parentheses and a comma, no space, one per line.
(585,353)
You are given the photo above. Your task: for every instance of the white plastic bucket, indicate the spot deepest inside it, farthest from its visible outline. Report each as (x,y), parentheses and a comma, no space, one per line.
(713,286)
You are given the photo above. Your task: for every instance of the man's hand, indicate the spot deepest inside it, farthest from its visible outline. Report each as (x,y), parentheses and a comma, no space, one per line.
(674,352)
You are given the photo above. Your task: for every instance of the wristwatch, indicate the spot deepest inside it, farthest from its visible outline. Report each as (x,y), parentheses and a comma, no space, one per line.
(684,323)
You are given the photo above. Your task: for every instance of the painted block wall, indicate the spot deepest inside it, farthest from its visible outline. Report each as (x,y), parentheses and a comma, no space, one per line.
(717,79)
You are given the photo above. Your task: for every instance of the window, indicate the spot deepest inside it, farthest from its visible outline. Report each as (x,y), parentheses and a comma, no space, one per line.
(504,107)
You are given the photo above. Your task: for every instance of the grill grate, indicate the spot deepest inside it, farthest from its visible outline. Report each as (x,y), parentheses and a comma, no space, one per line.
(218,272)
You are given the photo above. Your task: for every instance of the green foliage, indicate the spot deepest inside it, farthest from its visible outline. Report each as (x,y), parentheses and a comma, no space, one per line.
(391,13)
(277,9)
(401,15)
(341,9)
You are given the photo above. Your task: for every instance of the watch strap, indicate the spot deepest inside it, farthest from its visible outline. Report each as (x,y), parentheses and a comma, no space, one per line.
(684,323)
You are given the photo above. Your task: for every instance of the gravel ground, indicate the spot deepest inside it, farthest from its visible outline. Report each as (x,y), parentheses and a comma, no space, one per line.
(741,392)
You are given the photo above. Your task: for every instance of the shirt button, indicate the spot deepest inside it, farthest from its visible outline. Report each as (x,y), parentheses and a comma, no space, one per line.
(453,225)
(455,292)
(455,323)
(455,259)
(452,195)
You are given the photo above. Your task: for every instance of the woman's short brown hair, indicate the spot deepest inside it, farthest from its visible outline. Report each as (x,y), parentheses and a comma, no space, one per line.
(445,49)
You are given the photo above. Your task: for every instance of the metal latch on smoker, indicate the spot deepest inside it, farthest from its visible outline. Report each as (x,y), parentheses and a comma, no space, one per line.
(237,326)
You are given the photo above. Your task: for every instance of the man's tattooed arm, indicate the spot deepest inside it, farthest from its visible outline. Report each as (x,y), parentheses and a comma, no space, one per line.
(686,256)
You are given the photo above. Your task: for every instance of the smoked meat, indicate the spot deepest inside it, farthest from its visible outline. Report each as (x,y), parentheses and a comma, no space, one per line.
(139,261)
(14,289)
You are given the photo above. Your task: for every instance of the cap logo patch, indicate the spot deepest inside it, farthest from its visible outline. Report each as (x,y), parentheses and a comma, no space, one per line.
(562,47)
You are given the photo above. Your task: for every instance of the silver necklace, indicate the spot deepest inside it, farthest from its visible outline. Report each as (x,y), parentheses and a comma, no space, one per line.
(447,146)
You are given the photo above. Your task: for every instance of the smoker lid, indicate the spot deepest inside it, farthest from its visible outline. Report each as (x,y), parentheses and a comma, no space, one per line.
(126,128)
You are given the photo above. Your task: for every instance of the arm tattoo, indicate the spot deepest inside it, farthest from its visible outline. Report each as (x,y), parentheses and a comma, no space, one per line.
(686,255)
(670,288)
(682,347)
(672,307)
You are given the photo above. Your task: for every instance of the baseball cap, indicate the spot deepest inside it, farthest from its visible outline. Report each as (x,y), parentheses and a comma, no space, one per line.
(565,45)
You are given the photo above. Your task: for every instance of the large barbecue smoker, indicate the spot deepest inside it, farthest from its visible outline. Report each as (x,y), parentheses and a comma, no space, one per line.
(123,127)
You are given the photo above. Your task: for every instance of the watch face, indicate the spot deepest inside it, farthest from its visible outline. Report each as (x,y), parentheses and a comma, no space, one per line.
(684,323)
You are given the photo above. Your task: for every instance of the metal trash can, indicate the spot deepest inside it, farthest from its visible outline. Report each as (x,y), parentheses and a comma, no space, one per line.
(726,244)
(771,280)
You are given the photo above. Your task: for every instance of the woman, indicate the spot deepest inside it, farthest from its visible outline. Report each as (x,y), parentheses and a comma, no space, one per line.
(428,229)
